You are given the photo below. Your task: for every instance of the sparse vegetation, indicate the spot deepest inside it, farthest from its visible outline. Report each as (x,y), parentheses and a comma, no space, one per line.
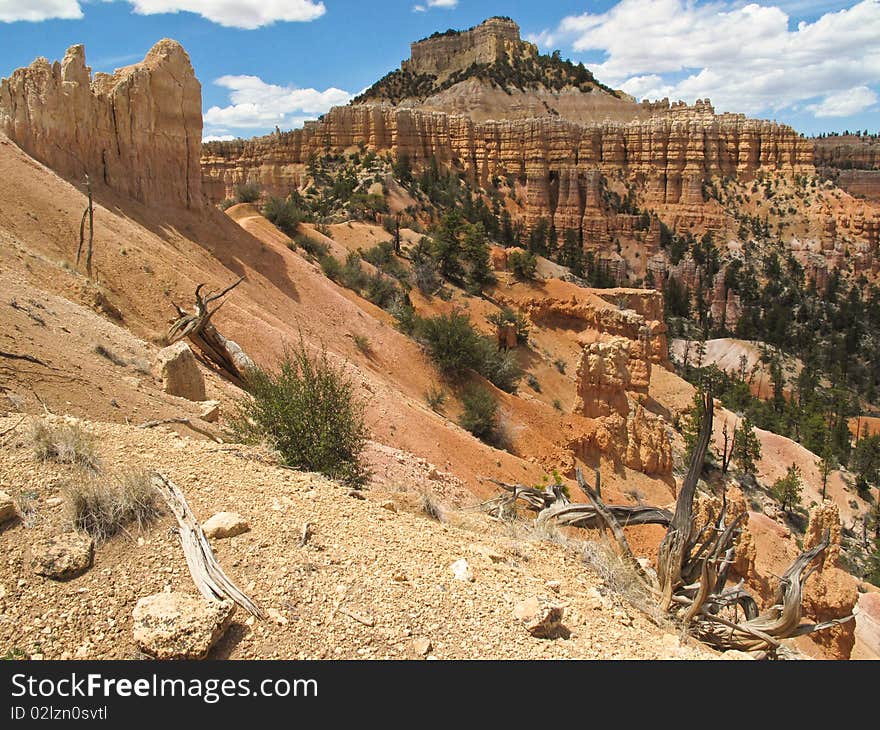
(362,342)
(523,264)
(436,398)
(66,443)
(108,354)
(308,411)
(102,507)
(248,192)
(787,490)
(480,413)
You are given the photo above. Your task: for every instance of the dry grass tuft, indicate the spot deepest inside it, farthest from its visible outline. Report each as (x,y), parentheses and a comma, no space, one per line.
(67,443)
(101,508)
(620,578)
(431,507)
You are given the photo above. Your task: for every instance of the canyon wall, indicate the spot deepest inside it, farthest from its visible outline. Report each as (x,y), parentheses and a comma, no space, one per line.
(137,131)
(853,163)
(673,152)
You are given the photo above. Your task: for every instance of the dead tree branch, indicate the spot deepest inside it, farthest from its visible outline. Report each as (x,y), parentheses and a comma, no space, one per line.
(201,332)
(206,572)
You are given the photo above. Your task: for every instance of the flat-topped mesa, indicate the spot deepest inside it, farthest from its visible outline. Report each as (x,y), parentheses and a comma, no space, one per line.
(673,154)
(444,53)
(138,131)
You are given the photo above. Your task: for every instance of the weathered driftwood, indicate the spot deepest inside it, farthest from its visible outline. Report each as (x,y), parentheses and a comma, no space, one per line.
(692,564)
(206,572)
(183,422)
(200,331)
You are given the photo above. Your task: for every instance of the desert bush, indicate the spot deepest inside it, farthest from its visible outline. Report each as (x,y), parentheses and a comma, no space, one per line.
(309,413)
(362,342)
(67,443)
(436,398)
(315,248)
(455,346)
(102,508)
(480,413)
(523,264)
(560,365)
(285,214)
(248,192)
(331,267)
(380,290)
(533,383)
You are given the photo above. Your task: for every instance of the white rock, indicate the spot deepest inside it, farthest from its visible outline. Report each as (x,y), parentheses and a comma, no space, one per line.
(225,524)
(422,646)
(210,411)
(541,618)
(180,371)
(7,507)
(462,571)
(735,655)
(179,625)
(276,616)
(62,556)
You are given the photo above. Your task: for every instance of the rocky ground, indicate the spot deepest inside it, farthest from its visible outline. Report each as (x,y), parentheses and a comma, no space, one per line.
(374,580)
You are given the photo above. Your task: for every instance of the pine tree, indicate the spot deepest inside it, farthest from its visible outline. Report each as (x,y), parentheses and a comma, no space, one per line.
(475,252)
(746,446)
(787,490)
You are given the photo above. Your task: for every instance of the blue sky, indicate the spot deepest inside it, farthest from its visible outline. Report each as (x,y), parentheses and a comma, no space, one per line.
(812,64)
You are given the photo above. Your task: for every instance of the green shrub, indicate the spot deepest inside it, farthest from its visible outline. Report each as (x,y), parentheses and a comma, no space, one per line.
(309,413)
(533,383)
(480,413)
(456,347)
(311,246)
(352,275)
(248,192)
(331,267)
(380,290)
(523,264)
(436,398)
(284,214)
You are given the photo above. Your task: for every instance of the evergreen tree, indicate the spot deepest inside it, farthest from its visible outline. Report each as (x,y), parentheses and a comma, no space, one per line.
(475,252)
(787,490)
(746,447)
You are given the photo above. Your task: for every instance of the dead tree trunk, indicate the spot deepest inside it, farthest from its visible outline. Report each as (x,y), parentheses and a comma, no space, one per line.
(201,332)
(692,563)
(89,213)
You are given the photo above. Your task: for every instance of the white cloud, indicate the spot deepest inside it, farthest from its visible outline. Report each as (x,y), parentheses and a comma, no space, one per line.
(845,103)
(37,10)
(448,4)
(743,56)
(248,14)
(258,105)
(218,138)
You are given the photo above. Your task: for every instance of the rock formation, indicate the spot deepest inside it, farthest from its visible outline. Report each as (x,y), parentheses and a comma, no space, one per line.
(607,373)
(137,131)
(444,53)
(673,154)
